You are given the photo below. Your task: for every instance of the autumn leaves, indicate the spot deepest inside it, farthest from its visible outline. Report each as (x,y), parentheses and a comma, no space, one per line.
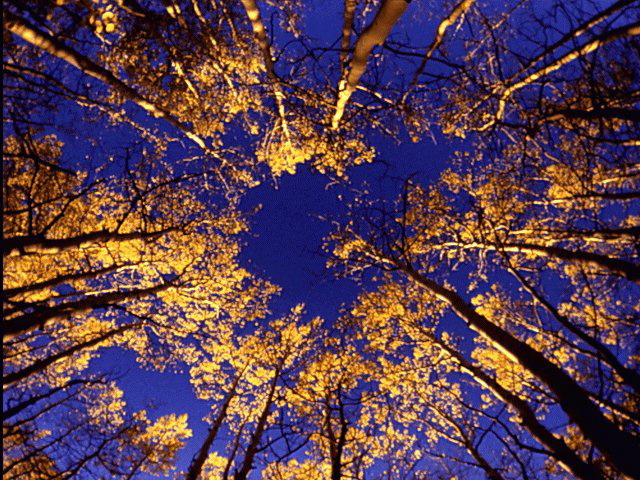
(496,330)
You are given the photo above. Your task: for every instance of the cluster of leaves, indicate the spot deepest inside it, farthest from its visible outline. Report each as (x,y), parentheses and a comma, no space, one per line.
(515,275)
(499,335)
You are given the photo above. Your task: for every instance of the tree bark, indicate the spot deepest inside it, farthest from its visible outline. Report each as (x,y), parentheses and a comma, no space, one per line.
(29,33)
(375,34)
(336,447)
(632,29)
(254,443)
(567,458)
(347,28)
(253,12)
(40,365)
(629,376)
(459,10)
(30,321)
(39,244)
(198,460)
(621,448)
(619,267)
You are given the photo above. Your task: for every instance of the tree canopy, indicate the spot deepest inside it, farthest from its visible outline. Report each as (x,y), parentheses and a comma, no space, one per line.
(496,326)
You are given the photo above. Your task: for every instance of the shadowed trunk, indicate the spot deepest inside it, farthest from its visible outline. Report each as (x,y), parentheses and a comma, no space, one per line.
(619,447)
(198,460)
(40,365)
(568,459)
(254,443)
(38,319)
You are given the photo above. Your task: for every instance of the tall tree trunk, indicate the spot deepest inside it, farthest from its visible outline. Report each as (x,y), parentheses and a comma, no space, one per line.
(632,29)
(336,446)
(39,244)
(621,448)
(56,48)
(375,34)
(38,319)
(347,28)
(628,375)
(40,365)
(619,267)
(254,443)
(253,12)
(458,11)
(567,458)
(199,458)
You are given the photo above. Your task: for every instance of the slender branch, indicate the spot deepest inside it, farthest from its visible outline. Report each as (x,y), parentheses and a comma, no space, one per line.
(632,29)
(458,11)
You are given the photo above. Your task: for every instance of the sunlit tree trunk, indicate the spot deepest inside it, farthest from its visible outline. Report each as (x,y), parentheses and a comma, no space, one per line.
(347,28)
(458,11)
(609,36)
(54,47)
(253,12)
(375,34)
(34,244)
(43,315)
(622,268)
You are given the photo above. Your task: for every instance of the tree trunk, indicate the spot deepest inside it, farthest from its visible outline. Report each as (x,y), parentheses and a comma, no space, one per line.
(39,244)
(628,375)
(40,365)
(252,448)
(347,28)
(54,47)
(336,447)
(619,447)
(632,29)
(69,277)
(38,319)
(375,34)
(253,12)
(198,460)
(459,10)
(567,458)
(622,268)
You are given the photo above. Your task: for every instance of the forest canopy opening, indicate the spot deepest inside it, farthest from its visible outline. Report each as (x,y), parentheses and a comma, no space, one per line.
(467,171)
